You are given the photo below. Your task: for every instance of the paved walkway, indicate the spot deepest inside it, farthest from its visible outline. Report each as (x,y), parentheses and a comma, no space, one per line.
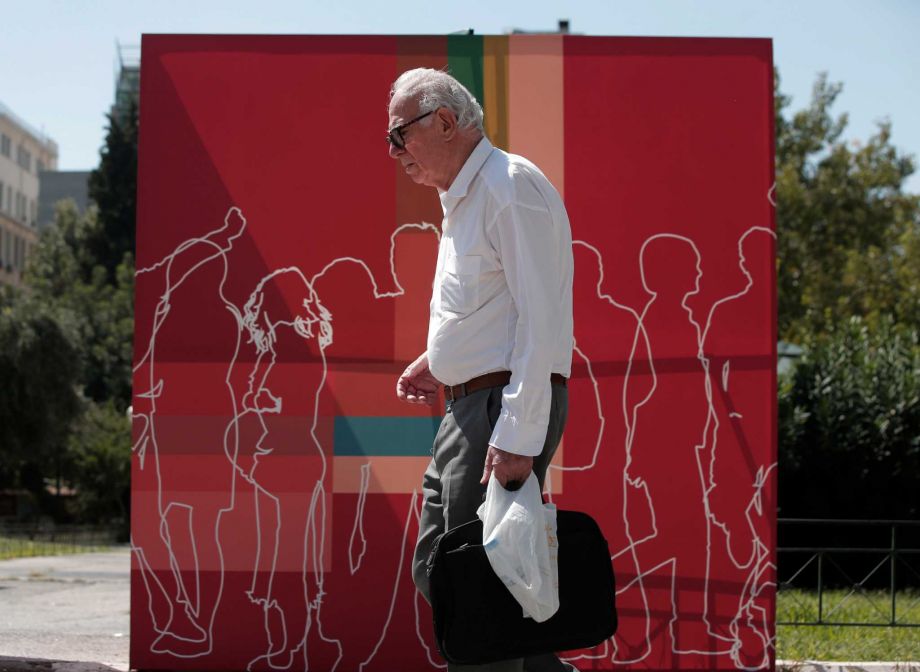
(69,613)
(66,613)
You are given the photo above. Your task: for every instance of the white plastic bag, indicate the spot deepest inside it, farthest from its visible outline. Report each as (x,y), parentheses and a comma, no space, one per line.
(519,536)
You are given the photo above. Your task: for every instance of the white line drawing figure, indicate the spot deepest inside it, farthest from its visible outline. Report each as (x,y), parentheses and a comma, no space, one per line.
(314,540)
(413,508)
(282,316)
(357,532)
(665,460)
(272,331)
(608,334)
(632,395)
(358,546)
(262,321)
(182,611)
(742,530)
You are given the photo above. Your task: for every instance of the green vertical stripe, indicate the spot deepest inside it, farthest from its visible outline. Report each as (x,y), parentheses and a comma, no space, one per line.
(464,57)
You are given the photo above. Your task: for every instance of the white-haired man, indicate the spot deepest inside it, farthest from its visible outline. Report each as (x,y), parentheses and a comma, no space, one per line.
(500,331)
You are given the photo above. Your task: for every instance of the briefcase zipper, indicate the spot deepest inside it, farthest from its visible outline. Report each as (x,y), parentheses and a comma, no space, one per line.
(467,546)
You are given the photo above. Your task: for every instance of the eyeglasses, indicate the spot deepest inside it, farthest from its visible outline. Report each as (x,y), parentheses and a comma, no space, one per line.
(395,136)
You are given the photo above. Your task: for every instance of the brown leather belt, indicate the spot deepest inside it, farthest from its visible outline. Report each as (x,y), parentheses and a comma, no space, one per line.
(496,379)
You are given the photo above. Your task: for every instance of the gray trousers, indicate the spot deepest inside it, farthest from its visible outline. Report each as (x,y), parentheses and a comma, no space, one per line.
(452,492)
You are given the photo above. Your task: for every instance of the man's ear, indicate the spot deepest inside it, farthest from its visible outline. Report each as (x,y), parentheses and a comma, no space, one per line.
(447,123)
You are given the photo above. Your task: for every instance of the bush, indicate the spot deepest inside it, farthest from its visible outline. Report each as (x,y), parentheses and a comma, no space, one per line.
(100,450)
(849,425)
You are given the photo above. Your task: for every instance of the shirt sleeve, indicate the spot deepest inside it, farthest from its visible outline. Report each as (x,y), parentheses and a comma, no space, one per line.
(528,245)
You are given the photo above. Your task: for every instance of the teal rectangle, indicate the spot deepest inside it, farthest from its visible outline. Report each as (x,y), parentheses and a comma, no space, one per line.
(383,436)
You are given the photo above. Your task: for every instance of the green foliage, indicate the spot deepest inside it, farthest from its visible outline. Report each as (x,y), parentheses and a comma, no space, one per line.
(64,277)
(849,293)
(39,368)
(113,187)
(100,449)
(65,343)
(851,408)
(847,233)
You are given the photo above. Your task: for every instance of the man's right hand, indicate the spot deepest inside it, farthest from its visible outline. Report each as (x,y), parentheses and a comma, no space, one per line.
(416,384)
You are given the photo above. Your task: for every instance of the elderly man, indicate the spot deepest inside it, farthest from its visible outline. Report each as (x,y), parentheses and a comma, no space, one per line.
(500,331)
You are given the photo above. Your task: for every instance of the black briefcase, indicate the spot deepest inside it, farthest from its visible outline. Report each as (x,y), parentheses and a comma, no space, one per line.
(476,619)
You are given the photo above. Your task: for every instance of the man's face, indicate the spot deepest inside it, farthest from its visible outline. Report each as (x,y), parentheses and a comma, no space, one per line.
(424,153)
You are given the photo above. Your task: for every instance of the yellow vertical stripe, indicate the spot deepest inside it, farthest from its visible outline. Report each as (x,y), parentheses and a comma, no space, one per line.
(495,89)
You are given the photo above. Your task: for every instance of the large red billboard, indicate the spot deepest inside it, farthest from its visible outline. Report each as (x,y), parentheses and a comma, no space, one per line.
(284,272)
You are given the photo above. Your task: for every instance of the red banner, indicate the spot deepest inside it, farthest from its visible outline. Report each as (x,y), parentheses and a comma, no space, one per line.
(284,272)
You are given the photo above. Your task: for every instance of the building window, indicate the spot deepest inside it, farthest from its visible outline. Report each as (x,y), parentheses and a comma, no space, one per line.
(5,145)
(24,158)
(2,201)
(33,214)
(39,165)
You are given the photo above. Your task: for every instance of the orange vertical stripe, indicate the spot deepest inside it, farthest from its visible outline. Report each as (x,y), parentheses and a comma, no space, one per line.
(535,103)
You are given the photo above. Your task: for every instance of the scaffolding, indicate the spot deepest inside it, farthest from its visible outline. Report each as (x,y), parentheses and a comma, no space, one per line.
(127,79)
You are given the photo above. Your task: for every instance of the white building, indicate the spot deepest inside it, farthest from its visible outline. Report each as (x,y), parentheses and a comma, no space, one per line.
(24,153)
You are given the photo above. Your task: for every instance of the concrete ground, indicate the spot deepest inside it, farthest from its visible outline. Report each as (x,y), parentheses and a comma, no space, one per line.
(69,613)
(66,613)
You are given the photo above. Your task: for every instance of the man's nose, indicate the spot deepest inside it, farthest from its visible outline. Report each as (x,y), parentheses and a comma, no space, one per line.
(395,151)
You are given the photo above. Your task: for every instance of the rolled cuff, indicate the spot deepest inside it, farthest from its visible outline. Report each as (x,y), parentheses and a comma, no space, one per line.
(518,437)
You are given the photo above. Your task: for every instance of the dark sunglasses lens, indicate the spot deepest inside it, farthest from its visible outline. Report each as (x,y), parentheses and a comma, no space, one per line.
(396,139)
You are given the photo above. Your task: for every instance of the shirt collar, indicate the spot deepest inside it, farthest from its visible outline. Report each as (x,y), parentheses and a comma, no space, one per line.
(461,183)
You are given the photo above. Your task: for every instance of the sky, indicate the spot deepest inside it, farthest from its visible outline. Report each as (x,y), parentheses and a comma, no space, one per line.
(58,57)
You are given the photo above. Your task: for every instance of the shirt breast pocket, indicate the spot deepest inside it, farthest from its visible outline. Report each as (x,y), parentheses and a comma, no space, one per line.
(460,284)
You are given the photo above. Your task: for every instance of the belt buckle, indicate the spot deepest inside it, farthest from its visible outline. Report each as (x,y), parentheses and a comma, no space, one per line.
(449,391)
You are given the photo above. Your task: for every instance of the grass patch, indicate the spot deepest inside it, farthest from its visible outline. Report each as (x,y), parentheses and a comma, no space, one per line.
(20,547)
(847,643)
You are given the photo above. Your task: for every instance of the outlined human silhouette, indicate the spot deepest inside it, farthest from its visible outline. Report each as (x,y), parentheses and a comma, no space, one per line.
(737,354)
(394,307)
(608,336)
(281,455)
(638,365)
(184,535)
(665,458)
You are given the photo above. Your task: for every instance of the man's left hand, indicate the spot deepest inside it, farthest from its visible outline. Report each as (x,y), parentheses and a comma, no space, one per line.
(508,467)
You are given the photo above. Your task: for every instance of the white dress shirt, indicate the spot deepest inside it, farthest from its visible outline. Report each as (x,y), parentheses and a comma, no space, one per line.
(502,296)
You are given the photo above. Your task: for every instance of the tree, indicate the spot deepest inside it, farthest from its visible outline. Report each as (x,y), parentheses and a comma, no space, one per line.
(847,232)
(113,187)
(64,276)
(68,336)
(39,368)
